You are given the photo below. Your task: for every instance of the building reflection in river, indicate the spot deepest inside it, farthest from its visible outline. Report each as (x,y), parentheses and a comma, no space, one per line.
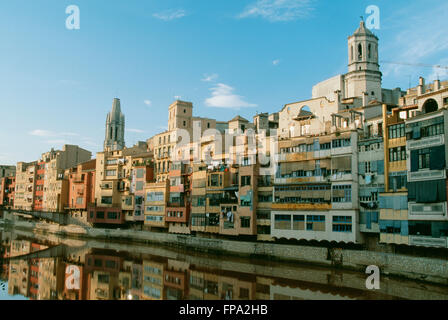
(91,273)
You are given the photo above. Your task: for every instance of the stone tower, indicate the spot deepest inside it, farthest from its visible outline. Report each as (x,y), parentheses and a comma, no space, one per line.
(180,116)
(115,128)
(364,76)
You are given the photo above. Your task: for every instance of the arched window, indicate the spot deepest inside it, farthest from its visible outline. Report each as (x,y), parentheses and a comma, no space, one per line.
(351,54)
(430,106)
(370,51)
(359,51)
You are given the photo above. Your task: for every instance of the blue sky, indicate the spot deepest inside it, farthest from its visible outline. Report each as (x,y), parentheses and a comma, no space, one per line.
(227,57)
(4,293)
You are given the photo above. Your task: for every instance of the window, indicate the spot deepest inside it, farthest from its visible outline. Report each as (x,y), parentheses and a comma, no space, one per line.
(155,196)
(111,173)
(128,201)
(265,198)
(339,143)
(397,131)
(342,224)
(282,222)
(342,193)
(79,200)
(139,186)
(325,146)
(198,220)
(154,208)
(151,292)
(106,200)
(245,222)
(103,278)
(246,162)
(140,173)
(100,215)
(397,154)
(154,218)
(245,181)
(426,128)
(423,158)
(215,180)
(112,161)
(112,215)
(368,167)
(399,181)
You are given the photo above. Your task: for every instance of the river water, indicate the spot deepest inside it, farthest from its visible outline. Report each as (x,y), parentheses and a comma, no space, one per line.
(46,267)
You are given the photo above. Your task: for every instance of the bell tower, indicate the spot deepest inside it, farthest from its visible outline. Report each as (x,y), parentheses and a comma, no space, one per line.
(115,122)
(364,76)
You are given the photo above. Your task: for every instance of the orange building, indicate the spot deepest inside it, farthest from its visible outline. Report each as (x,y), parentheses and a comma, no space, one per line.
(39,190)
(81,188)
(7,191)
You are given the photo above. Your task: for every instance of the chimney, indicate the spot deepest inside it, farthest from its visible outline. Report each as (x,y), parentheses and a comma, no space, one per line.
(437,85)
(421,86)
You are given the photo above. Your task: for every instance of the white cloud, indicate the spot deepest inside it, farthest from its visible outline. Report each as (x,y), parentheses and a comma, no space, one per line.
(135,130)
(210,78)
(169,15)
(48,133)
(177,97)
(58,141)
(223,97)
(41,133)
(278,10)
(147,102)
(276,62)
(61,138)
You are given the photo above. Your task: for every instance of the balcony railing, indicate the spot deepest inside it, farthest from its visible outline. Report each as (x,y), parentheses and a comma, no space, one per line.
(425,241)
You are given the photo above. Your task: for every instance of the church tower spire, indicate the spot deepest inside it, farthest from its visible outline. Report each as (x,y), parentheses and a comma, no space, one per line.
(115,123)
(364,76)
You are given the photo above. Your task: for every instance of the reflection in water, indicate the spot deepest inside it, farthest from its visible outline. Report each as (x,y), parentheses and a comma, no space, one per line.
(48,270)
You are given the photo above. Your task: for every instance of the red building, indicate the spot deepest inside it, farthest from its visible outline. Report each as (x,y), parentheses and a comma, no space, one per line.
(81,188)
(7,191)
(34,274)
(39,190)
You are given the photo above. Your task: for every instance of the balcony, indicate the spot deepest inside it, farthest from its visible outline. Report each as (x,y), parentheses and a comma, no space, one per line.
(426,142)
(426,175)
(423,241)
(427,211)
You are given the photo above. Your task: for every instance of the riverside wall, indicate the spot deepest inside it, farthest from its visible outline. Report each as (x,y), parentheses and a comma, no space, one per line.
(415,268)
